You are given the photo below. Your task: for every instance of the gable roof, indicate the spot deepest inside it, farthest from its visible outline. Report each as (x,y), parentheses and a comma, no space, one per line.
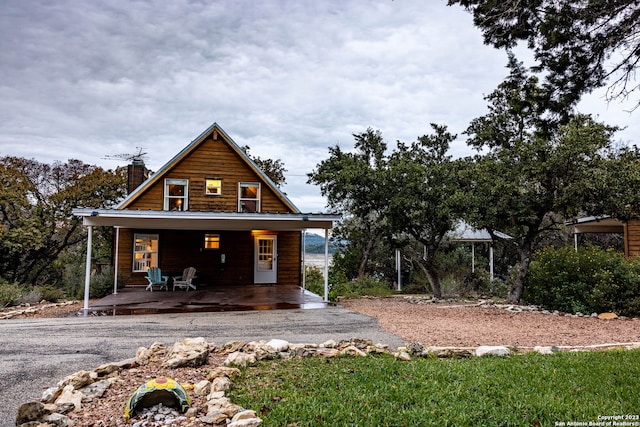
(216,130)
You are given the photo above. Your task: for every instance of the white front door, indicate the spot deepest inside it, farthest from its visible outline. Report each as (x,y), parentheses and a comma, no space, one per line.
(266,259)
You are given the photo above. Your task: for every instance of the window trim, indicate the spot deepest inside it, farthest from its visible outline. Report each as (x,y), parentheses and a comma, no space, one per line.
(167,197)
(219,187)
(258,195)
(148,255)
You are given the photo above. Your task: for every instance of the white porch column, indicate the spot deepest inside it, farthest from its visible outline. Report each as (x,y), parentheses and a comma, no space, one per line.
(575,241)
(304,267)
(491,261)
(87,273)
(115,263)
(399,269)
(326,264)
(473,257)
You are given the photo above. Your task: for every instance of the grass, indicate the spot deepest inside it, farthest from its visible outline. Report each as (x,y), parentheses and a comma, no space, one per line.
(521,390)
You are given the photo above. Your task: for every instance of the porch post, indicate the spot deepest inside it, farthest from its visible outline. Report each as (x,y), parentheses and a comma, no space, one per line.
(304,267)
(473,257)
(326,264)
(491,261)
(399,268)
(87,273)
(115,264)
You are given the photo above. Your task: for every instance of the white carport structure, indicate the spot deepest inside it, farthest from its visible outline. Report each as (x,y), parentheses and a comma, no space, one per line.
(188,220)
(595,224)
(465,233)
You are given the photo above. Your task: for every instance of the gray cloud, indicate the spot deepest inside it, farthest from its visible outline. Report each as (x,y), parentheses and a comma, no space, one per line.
(87,79)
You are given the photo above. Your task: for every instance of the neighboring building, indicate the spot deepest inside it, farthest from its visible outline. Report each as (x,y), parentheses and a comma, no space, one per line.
(212,208)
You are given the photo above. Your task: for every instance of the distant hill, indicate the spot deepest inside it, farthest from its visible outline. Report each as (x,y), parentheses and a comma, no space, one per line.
(314,244)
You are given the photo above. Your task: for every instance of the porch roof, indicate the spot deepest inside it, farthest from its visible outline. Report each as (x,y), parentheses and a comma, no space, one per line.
(594,224)
(172,220)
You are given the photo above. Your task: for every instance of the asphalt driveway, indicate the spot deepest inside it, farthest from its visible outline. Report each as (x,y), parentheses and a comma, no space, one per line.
(36,353)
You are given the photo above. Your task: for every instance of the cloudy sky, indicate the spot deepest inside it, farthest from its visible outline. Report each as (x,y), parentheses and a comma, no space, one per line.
(88,79)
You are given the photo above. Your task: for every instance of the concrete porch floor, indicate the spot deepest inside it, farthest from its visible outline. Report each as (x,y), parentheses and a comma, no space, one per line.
(136,300)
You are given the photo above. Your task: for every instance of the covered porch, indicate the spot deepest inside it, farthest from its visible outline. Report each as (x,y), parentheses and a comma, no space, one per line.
(239,232)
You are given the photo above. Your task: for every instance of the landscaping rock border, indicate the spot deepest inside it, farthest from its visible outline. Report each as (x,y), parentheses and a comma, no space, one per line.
(83,386)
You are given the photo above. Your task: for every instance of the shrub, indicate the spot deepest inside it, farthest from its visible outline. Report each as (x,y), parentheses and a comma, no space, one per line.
(366,286)
(51,293)
(31,296)
(314,279)
(101,283)
(588,280)
(10,293)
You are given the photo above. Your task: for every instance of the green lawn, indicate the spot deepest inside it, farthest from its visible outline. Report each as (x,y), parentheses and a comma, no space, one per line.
(521,390)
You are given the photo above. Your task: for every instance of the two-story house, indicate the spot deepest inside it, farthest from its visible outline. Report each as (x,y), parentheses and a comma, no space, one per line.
(209,207)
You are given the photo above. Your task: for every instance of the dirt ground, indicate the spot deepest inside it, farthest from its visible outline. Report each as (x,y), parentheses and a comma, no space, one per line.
(469,324)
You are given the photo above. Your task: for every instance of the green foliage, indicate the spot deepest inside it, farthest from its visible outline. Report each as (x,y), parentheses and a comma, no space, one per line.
(366,286)
(578,44)
(589,280)
(51,293)
(537,169)
(274,169)
(36,201)
(10,293)
(523,390)
(101,282)
(314,279)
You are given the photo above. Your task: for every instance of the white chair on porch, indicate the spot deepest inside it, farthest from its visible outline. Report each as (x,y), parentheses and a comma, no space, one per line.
(184,281)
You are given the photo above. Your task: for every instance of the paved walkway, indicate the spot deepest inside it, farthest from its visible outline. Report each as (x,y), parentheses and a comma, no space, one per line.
(36,353)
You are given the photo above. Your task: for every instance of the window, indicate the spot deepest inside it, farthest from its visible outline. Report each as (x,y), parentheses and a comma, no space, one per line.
(249,197)
(213,187)
(145,252)
(212,241)
(175,194)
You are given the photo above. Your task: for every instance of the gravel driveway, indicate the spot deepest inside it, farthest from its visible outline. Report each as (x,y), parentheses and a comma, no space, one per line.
(37,353)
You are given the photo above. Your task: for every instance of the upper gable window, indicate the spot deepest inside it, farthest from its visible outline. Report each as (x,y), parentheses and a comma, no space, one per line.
(175,194)
(249,197)
(213,187)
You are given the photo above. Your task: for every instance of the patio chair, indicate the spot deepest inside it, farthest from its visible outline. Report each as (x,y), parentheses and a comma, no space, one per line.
(184,281)
(155,278)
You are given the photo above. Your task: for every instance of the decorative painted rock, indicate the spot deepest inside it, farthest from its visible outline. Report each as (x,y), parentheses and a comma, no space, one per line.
(158,390)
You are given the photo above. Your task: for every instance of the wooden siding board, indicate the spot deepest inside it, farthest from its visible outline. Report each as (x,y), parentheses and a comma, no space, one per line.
(181,249)
(212,159)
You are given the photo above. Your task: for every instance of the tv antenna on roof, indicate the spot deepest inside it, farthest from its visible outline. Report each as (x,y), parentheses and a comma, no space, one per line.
(136,158)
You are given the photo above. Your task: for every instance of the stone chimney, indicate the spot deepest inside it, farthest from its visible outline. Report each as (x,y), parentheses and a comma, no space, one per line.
(137,173)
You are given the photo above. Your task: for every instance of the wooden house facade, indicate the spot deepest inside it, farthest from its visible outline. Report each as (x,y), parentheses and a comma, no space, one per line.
(211,208)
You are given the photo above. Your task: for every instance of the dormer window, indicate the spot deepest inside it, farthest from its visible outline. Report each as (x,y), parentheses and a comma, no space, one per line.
(249,197)
(176,194)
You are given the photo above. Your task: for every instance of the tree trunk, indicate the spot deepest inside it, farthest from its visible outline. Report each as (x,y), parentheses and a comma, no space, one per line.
(434,280)
(518,284)
(365,258)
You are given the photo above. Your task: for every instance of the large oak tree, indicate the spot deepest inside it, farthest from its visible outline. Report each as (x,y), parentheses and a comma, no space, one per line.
(534,171)
(36,223)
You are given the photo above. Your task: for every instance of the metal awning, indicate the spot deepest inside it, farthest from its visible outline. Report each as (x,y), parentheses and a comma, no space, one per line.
(188,220)
(596,224)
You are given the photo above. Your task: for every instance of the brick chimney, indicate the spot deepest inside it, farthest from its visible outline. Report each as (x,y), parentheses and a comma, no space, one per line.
(137,173)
